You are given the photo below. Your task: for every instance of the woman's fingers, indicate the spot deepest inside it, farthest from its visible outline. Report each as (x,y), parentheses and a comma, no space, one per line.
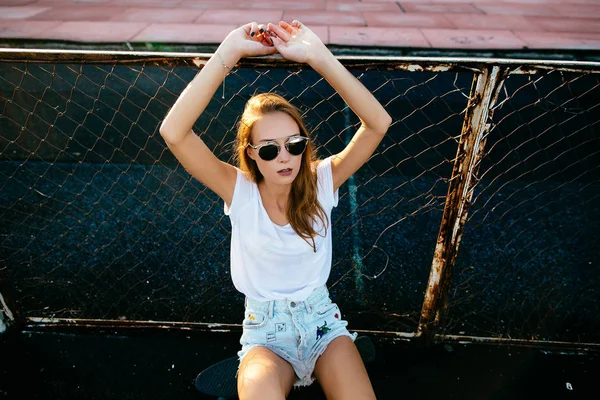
(257,32)
(278,43)
(261,29)
(279,32)
(247,28)
(262,35)
(254,30)
(288,28)
(263,50)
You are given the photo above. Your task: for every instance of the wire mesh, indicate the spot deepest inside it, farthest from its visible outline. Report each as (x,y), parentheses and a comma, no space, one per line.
(528,261)
(100,221)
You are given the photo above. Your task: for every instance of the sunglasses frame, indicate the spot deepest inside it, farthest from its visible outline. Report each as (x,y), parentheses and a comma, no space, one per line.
(273,142)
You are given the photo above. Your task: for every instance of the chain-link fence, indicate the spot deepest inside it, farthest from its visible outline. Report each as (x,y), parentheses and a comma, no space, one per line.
(100,222)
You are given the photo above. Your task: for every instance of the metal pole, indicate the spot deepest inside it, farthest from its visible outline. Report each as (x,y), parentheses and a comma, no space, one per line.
(484,94)
(5,313)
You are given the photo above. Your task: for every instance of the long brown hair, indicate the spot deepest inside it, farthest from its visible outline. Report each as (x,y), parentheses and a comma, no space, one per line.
(303,209)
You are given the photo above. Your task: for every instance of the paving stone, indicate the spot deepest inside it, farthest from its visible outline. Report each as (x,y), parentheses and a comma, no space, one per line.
(94,31)
(355,6)
(184,33)
(578,10)
(550,40)
(20,12)
(575,25)
(472,39)
(32,29)
(325,17)
(420,20)
(79,13)
(440,8)
(492,22)
(518,9)
(159,15)
(386,37)
(239,18)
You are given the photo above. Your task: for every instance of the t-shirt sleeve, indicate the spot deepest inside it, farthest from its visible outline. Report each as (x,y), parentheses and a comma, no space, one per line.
(242,194)
(327,196)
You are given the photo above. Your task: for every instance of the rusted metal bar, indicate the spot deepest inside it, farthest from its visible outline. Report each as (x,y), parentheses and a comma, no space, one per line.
(420,64)
(6,316)
(484,94)
(4,308)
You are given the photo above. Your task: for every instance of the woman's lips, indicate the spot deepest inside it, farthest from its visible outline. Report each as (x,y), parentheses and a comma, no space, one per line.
(285,172)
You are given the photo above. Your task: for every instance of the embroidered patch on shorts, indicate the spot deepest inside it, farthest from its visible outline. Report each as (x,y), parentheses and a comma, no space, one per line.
(271,337)
(280,327)
(321,330)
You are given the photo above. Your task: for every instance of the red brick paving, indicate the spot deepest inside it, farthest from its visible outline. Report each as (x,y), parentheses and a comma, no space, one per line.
(20,12)
(93,31)
(387,37)
(215,5)
(417,20)
(17,29)
(440,8)
(158,15)
(581,25)
(550,41)
(237,17)
(341,5)
(183,33)
(336,18)
(503,8)
(78,13)
(495,22)
(458,24)
(472,39)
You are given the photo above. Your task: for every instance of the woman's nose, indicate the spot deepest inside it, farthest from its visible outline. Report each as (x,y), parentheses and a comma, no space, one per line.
(284,155)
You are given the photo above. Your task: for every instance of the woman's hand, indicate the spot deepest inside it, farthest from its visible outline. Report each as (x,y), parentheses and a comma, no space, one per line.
(248,41)
(296,42)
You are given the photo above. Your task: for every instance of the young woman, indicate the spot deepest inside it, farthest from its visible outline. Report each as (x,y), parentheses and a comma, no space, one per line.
(279,201)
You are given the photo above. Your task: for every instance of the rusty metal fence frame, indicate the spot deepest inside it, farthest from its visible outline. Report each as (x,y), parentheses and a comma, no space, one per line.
(488,80)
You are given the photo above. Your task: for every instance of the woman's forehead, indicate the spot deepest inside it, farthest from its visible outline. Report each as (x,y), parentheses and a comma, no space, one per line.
(273,126)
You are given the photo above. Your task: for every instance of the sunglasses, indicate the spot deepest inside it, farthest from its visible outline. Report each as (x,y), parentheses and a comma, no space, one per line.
(295,145)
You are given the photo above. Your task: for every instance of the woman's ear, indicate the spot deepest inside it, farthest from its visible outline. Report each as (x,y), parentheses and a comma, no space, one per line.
(250,153)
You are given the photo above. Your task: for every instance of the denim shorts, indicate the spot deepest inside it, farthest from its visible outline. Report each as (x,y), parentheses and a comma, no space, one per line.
(297,331)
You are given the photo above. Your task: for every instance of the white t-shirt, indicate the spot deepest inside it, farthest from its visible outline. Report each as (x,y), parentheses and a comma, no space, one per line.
(271,262)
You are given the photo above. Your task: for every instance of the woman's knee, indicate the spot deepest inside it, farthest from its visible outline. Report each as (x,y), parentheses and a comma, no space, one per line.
(264,375)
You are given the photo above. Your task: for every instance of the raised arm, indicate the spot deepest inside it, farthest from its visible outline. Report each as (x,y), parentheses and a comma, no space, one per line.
(176,128)
(298,43)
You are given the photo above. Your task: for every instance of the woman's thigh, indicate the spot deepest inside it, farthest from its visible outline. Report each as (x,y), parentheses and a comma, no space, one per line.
(264,375)
(341,372)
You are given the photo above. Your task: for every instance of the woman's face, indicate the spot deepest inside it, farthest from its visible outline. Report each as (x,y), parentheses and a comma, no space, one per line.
(278,127)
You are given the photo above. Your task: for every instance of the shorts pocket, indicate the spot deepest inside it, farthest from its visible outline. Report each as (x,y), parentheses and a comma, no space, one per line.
(325,309)
(254,319)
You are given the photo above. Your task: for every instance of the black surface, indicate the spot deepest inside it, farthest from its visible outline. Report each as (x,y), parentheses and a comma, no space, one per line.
(163,366)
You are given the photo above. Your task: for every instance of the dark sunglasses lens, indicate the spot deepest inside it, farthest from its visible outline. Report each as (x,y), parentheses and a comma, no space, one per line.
(296,146)
(268,152)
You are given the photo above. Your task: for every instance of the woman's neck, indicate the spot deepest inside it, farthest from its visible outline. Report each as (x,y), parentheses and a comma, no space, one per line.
(273,193)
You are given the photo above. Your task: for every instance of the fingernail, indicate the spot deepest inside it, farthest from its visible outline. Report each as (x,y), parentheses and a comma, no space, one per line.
(251,33)
(261,30)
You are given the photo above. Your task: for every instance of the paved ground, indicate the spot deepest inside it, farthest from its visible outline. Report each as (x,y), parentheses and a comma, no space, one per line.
(420,24)
(111,366)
